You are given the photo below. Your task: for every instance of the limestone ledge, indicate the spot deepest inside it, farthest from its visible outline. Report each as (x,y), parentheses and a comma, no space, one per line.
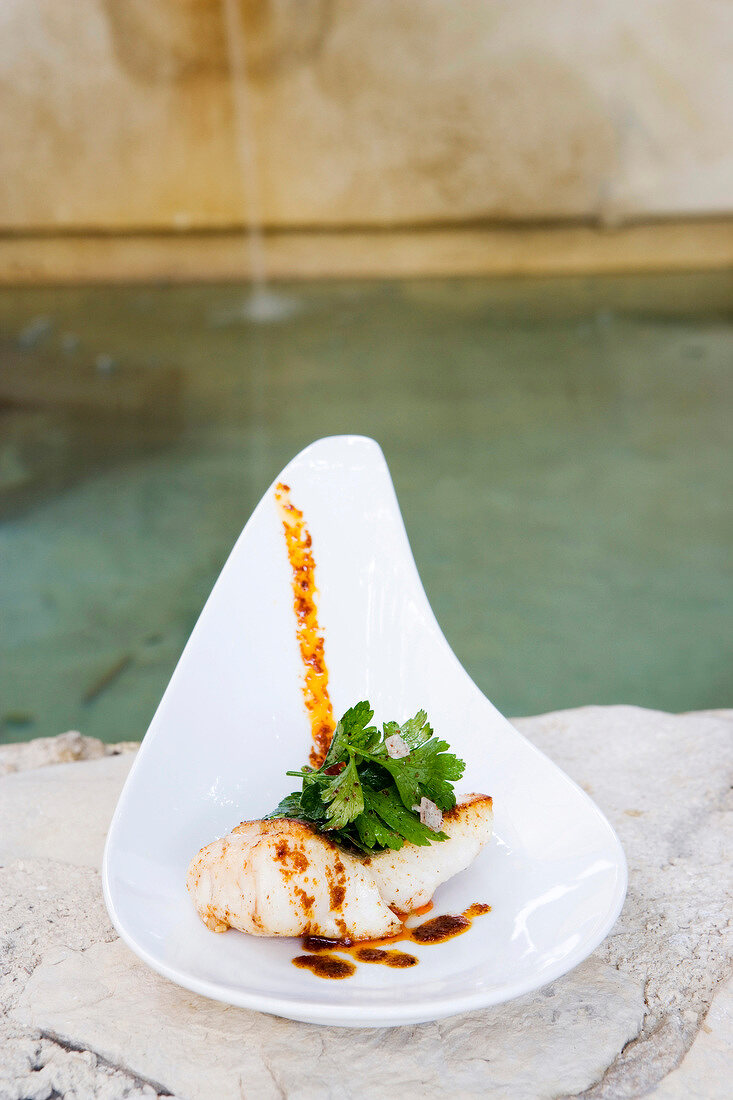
(647,1014)
(64,749)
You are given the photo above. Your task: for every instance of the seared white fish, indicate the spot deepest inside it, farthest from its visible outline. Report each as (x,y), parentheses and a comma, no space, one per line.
(409,877)
(281,878)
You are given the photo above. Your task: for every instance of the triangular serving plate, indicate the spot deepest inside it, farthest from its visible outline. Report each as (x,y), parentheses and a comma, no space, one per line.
(232,721)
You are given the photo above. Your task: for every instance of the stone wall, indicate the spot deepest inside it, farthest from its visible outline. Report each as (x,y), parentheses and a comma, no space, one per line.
(118,113)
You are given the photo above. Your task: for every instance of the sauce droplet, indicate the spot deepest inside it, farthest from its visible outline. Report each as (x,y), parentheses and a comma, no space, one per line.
(398,959)
(478,909)
(440,929)
(325,966)
(320,943)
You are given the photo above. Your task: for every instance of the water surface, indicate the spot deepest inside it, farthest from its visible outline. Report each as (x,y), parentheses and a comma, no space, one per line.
(560,448)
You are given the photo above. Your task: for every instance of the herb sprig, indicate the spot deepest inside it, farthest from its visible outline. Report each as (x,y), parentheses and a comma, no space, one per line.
(365,798)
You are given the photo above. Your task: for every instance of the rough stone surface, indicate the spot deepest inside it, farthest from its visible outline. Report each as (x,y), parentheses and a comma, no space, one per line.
(64,749)
(707,1067)
(648,1013)
(665,784)
(103,999)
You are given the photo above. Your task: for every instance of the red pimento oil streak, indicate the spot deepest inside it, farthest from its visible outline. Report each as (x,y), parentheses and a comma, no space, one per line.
(308,632)
(436,930)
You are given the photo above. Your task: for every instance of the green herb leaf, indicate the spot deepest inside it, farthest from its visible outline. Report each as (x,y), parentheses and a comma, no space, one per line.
(289,807)
(343,796)
(429,770)
(361,797)
(374,833)
(311,801)
(415,731)
(352,734)
(388,806)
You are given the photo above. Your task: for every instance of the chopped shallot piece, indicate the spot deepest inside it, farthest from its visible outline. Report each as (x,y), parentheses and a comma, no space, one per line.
(430,815)
(396,747)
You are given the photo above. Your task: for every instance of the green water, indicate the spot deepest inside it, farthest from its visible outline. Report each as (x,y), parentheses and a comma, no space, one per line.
(560,448)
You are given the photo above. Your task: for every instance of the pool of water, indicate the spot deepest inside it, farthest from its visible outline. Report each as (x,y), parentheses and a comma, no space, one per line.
(560,448)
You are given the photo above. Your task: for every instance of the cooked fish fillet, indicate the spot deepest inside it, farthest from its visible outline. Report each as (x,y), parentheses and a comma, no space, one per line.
(408,878)
(281,878)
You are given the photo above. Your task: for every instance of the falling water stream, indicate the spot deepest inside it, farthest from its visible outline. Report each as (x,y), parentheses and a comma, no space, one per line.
(262,304)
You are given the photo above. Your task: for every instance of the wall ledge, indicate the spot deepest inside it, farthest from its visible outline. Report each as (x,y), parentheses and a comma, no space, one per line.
(689,245)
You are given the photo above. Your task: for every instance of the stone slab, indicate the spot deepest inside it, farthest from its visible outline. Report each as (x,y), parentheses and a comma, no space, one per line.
(61,812)
(63,749)
(202,1049)
(82,1016)
(707,1068)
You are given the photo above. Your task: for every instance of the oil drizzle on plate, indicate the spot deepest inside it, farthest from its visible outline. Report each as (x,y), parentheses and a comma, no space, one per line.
(325,966)
(308,632)
(436,930)
(443,928)
(397,959)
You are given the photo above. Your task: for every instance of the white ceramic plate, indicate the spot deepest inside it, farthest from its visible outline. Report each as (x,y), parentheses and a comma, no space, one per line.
(232,721)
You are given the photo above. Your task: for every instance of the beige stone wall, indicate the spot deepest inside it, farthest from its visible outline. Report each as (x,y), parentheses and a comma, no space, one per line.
(118,113)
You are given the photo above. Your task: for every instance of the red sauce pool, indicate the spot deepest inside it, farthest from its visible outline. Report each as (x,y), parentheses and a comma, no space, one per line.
(398,959)
(435,930)
(325,966)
